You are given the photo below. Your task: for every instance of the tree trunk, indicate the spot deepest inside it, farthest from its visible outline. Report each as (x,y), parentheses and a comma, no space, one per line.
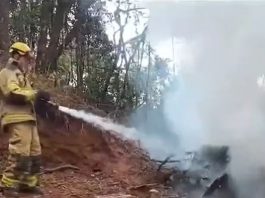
(4,34)
(69,37)
(79,64)
(55,49)
(46,9)
(127,67)
(139,64)
(114,66)
(107,81)
(62,9)
(148,76)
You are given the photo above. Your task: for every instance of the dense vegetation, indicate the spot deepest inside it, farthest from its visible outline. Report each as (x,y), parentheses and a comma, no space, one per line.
(71,42)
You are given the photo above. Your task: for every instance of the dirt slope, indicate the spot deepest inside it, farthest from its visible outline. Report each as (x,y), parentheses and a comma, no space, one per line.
(107,165)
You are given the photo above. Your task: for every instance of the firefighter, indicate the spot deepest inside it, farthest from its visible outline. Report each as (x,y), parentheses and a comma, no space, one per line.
(18,119)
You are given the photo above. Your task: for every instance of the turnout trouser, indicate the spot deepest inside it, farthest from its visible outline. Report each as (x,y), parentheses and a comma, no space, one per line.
(24,159)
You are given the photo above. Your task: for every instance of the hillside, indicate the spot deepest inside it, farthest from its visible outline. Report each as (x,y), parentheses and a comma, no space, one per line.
(106,164)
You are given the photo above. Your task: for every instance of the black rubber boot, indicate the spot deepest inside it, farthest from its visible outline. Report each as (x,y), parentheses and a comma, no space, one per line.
(35,170)
(30,190)
(10,192)
(36,191)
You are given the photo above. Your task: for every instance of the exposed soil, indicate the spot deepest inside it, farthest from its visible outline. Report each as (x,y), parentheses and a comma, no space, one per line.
(108,165)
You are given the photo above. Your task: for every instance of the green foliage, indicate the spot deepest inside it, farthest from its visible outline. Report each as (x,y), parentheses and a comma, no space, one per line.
(24,21)
(83,55)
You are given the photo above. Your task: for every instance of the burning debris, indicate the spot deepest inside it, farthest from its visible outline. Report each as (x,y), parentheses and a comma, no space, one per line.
(216,184)
(206,175)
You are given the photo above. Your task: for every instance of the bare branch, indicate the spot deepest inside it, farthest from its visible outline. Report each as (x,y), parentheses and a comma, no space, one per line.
(164,162)
(59,168)
(132,9)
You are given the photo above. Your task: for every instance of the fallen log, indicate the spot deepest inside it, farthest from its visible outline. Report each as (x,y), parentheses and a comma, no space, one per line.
(143,186)
(169,161)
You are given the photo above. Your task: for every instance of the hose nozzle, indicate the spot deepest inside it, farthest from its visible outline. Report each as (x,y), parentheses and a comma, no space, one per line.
(51,103)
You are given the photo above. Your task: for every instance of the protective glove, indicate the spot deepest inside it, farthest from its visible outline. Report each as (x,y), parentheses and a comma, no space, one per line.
(41,102)
(42,96)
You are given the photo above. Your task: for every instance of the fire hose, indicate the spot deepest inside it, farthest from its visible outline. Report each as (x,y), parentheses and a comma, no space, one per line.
(45,108)
(53,104)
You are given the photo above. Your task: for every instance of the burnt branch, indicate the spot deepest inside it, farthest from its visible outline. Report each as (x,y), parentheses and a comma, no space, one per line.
(167,159)
(59,168)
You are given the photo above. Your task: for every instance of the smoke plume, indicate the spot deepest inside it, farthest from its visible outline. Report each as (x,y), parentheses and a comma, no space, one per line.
(217,100)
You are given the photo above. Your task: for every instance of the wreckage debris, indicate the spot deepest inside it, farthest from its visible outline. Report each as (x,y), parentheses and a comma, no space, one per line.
(217,184)
(206,173)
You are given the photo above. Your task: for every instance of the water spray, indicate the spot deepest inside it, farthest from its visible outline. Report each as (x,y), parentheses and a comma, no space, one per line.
(99,122)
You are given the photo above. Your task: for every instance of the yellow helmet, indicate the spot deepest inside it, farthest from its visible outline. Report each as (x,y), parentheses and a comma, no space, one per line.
(19,47)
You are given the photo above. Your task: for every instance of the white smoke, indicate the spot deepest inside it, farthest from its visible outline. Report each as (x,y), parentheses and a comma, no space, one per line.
(218,101)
